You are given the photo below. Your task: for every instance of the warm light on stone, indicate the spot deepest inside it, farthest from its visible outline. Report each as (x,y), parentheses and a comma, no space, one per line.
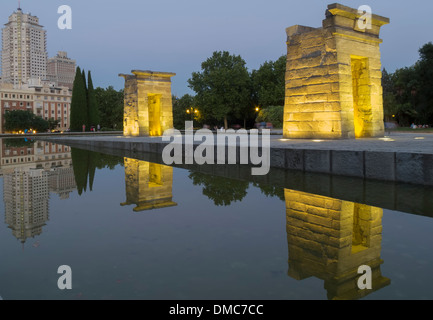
(148,185)
(148,107)
(330,239)
(333,78)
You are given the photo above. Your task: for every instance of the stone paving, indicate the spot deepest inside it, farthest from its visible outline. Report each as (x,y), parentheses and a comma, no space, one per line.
(392,142)
(398,157)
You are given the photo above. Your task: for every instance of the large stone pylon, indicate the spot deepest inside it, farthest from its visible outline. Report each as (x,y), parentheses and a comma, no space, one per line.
(148,109)
(333,77)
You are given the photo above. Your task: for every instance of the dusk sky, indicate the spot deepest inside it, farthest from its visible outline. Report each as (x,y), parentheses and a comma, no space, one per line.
(110,37)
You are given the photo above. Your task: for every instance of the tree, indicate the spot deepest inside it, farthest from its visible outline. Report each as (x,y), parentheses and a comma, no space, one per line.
(87,123)
(53,124)
(92,103)
(86,162)
(268,83)
(222,191)
(223,87)
(79,102)
(21,120)
(183,110)
(110,105)
(272,114)
(424,68)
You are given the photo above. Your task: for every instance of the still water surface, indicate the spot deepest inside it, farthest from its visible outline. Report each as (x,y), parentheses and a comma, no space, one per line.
(130,229)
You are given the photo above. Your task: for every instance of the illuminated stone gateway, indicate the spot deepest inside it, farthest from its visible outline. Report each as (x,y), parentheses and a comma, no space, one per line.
(148,107)
(148,185)
(330,239)
(333,77)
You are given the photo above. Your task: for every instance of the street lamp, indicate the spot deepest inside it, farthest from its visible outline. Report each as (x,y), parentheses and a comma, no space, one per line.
(192,112)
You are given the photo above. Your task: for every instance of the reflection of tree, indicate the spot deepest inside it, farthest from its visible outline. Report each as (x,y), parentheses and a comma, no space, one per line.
(85,164)
(222,191)
(271,191)
(18,142)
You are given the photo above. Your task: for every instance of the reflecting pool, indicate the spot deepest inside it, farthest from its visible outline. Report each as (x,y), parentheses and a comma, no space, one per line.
(134,229)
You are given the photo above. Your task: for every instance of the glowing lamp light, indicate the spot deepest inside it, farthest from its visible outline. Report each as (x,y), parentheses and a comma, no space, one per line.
(386,139)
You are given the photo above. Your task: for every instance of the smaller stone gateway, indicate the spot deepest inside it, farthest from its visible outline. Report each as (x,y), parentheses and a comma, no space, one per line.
(333,77)
(148,109)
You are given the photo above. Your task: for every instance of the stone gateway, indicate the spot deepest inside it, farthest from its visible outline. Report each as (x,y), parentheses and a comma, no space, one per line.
(333,77)
(148,109)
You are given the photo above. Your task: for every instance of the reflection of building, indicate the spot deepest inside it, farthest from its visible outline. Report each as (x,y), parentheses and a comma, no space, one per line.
(26,197)
(62,181)
(148,185)
(41,155)
(30,172)
(330,239)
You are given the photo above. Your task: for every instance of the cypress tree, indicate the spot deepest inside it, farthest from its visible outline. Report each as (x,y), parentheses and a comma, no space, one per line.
(92,103)
(80,164)
(78,103)
(86,110)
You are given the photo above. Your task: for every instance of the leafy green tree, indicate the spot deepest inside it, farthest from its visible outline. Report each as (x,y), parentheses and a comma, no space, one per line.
(110,103)
(268,83)
(92,103)
(183,110)
(222,191)
(18,143)
(223,87)
(79,114)
(424,85)
(53,123)
(17,120)
(273,114)
(271,191)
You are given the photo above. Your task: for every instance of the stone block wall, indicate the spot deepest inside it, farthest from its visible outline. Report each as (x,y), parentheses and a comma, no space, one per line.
(148,109)
(330,239)
(148,185)
(333,78)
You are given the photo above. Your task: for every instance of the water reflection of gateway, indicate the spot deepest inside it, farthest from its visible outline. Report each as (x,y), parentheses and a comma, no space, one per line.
(148,185)
(30,172)
(329,239)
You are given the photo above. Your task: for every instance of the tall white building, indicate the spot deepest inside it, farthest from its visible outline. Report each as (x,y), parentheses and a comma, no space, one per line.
(24,50)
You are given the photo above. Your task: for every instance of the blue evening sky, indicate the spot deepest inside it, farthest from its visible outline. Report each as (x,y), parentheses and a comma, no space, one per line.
(112,36)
